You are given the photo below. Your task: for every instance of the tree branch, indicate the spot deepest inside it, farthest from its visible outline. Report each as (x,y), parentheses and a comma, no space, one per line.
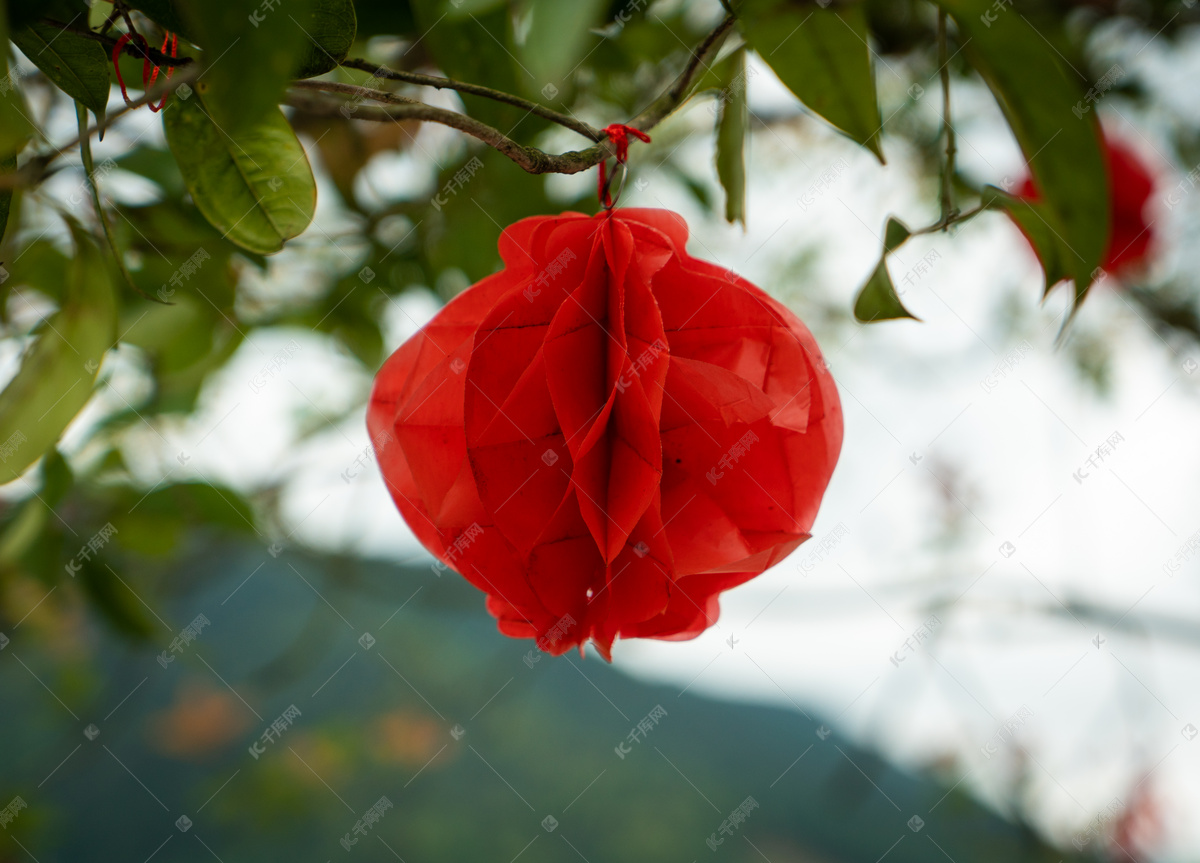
(476,90)
(531,159)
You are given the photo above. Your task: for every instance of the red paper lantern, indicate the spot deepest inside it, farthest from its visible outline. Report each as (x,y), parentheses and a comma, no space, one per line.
(607,433)
(1131,183)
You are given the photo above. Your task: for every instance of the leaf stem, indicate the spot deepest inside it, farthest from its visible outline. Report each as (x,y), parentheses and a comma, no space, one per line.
(946,222)
(89,168)
(948,210)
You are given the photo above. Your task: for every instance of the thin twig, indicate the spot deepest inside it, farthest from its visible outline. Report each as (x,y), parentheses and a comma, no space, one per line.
(947,222)
(89,169)
(948,211)
(357,92)
(33,170)
(531,159)
(440,83)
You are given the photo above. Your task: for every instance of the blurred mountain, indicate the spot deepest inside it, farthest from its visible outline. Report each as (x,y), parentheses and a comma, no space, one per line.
(286,699)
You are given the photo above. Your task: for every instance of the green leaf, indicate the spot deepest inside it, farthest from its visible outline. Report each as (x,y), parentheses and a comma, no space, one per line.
(21,532)
(40,266)
(57,478)
(168,14)
(731,140)
(714,77)
(98,13)
(15,126)
(475,49)
(823,57)
(23,12)
(1033,218)
(250,53)
(75,63)
(559,33)
(116,601)
(1036,93)
(895,234)
(57,374)
(465,8)
(878,300)
(7,166)
(330,27)
(255,186)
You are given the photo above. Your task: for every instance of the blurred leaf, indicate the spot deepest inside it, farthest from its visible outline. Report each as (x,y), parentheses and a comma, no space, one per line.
(214,505)
(156,165)
(57,374)
(465,8)
(15,126)
(57,478)
(40,266)
(27,530)
(731,140)
(250,53)
(465,232)
(558,37)
(474,49)
(153,524)
(718,75)
(822,55)
(23,530)
(1064,151)
(98,13)
(7,166)
(878,300)
(1033,220)
(183,343)
(169,14)
(697,190)
(256,187)
(151,528)
(377,17)
(114,600)
(330,28)
(175,336)
(350,313)
(21,14)
(75,63)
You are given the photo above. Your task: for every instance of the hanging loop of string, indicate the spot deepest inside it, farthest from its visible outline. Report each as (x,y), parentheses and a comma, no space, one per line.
(149,69)
(619,134)
(148,77)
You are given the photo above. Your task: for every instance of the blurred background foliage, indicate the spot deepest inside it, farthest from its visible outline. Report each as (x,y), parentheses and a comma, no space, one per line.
(87,622)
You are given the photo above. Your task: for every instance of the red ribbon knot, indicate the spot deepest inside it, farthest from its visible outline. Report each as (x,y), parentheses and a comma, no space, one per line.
(619,134)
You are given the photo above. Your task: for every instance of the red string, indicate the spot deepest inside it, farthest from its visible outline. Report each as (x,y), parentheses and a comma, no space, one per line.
(149,79)
(148,76)
(619,134)
(116,56)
